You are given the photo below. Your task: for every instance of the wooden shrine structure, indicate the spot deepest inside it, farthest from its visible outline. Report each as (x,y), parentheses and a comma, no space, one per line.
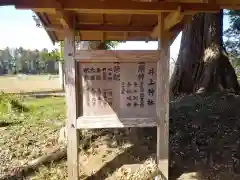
(123,20)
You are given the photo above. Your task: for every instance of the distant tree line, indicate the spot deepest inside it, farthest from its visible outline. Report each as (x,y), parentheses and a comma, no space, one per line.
(20,60)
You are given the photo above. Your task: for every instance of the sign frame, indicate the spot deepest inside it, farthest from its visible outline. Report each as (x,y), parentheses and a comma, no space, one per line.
(109,56)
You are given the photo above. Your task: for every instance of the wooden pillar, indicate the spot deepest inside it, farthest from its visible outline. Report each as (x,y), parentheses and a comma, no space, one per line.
(163,99)
(71,100)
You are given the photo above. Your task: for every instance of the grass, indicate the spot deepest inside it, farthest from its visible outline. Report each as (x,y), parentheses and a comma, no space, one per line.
(204,140)
(29,134)
(29,83)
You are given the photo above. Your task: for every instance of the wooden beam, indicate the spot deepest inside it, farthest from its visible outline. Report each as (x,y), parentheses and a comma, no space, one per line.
(173,18)
(123,6)
(162,106)
(72,106)
(170,21)
(65,18)
(105,28)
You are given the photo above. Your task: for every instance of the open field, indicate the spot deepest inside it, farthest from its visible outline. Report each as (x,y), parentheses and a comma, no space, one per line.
(29,83)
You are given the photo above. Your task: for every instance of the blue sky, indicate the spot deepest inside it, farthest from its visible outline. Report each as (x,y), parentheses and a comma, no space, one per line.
(17,28)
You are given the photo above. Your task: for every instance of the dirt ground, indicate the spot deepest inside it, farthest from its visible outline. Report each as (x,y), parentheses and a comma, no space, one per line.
(29,83)
(204,141)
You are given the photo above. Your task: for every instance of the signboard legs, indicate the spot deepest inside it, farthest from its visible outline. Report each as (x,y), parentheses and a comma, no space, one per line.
(162,107)
(71,100)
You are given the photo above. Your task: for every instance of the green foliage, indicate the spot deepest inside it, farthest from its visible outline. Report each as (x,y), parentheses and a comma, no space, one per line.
(10,103)
(111,44)
(28,135)
(232,35)
(20,60)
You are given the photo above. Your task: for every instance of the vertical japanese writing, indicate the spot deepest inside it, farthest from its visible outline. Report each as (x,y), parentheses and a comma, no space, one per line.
(131,91)
(140,75)
(151,89)
(116,71)
(108,96)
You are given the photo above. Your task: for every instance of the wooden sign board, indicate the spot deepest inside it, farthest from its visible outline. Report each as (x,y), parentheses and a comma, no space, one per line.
(118,94)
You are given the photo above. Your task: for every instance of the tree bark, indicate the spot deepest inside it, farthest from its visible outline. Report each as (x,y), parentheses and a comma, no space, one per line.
(203,64)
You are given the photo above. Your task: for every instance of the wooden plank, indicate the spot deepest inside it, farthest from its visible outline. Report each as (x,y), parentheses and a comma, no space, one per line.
(117,55)
(163,100)
(118,94)
(116,28)
(71,100)
(119,7)
(169,22)
(65,18)
(114,122)
(105,28)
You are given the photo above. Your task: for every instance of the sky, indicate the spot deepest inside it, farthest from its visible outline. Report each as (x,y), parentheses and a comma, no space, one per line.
(17,28)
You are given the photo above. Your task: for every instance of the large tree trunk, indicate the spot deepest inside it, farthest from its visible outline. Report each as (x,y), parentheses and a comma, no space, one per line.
(203,65)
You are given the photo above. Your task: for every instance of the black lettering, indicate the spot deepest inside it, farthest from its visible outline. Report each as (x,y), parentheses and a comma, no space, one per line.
(129,91)
(99,91)
(142,86)
(104,75)
(116,68)
(129,98)
(150,102)
(129,104)
(141,67)
(151,92)
(86,70)
(151,71)
(93,101)
(98,70)
(129,84)
(86,77)
(135,104)
(98,77)
(134,98)
(135,90)
(109,93)
(105,94)
(151,82)
(135,84)
(92,77)
(140,77)
(116,77)
(92,70)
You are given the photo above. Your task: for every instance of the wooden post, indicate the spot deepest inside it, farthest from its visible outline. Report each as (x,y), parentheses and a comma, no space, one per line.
(71,99)
(61,74)
(162,106)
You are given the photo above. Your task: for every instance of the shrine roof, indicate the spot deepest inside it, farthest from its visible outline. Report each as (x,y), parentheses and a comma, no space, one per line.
(123,20)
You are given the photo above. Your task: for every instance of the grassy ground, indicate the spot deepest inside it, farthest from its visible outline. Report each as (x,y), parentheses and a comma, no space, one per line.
(28,83)
(105,154)
(204,140)
(27,135)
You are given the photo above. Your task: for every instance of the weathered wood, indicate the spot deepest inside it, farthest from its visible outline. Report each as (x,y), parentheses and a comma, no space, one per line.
(123,6)
(170,21)
(71,99)
(114,122)
(163,100)
(117,56)
(118,94)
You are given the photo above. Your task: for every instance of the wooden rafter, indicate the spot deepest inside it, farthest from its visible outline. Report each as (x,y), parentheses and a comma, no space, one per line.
(170,21)
(105,28)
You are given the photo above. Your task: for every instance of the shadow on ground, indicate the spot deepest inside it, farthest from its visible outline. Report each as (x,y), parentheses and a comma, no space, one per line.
(204,140)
